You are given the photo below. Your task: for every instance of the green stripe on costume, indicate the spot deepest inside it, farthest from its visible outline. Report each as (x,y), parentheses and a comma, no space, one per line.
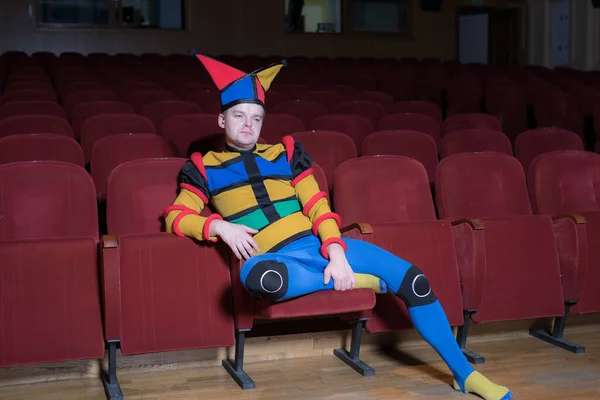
(255,220)
(285,208)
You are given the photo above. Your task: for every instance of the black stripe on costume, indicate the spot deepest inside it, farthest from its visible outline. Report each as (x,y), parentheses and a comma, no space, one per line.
(254,208)
(259,188)
(246,182)
(224,164)
(289,240)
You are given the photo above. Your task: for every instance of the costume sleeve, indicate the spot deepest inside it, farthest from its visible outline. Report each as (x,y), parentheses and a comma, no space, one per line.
(183,216)
(314,202)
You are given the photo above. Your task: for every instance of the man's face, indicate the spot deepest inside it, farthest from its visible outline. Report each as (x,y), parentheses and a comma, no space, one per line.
(242,124)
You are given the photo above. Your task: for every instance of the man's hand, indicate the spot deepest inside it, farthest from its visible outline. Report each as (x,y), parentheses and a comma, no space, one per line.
(236,236)
(339,269)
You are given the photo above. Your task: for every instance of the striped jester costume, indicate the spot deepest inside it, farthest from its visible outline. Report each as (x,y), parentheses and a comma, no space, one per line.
(271,188)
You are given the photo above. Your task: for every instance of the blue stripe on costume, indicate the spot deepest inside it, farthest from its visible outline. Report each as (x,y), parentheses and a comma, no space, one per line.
(279,167)
(305,267)
(242,89)
(220,177)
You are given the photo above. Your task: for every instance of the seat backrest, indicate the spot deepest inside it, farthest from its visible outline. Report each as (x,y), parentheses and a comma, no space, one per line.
(111,151)
(40,146)
(159,111)
(481,185)
(382,98)
(83,96)
(103,125)
(28,95)
(475,140)
(534,142)
(382,189)
(407,143)
(45,200)
(139,99)
(355,126)
(470,121)
(83,111)
(416,122)
(419,107)
(184,130)
(374,112)
(20,124)
(330,99)
(138,192)
(276,126)
(304,110)
(562,182)
(328,149)
(32,107)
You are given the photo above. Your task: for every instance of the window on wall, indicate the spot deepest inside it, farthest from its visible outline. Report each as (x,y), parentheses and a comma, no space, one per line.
(313,15)
(156,14)
(379,16)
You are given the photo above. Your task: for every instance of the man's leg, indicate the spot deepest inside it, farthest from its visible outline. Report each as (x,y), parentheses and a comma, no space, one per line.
(411,285)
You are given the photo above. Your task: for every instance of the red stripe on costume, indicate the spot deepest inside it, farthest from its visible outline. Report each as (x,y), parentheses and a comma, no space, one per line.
(198,163)
(210,219)
(177,207)
(197,192)
(288,143)
(301,176)
(178,218)
(328,242)
(324,217)
(312,202)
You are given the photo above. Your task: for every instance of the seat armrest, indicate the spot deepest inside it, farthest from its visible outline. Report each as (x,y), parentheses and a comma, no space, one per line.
(111,286)
(476,224)
(243,301)
(576,218)
(363,227)
(570,234)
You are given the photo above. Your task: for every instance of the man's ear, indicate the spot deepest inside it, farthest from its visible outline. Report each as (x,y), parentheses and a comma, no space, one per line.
(221,121)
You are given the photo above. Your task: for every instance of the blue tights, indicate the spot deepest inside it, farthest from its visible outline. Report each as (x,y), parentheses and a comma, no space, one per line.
(297,269)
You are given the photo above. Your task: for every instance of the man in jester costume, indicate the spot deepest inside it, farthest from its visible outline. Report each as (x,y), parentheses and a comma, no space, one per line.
(272,213)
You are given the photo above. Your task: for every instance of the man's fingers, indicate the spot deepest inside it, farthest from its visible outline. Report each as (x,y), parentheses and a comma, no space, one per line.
(248,248)
(326,276)
(253,243)
(242,250)
(248,229)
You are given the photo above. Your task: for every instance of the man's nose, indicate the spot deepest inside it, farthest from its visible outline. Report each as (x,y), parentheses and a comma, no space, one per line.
(248,122)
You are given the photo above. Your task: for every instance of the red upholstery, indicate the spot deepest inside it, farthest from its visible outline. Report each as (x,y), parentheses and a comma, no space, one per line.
(183,130)
(83,111)
(207,100)
(330,99)
(508,104)
(160,111)
(415,122)
(85,96)
(28,95)
(470,121)
(327,148)
(475,140)
(111,151)
(404,223)
(48,246)
(103,125)
(519,248)
(564,182)
(276,126)
(139,99)
(40,146)
(355,126)
(413,144)
(532,143)
(374,112)
(381,98)
(304,110)
(419,107)
(35,124)
(31,107)
(148,307)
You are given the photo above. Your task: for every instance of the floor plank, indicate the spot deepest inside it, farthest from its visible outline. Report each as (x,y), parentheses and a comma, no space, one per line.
(531,368)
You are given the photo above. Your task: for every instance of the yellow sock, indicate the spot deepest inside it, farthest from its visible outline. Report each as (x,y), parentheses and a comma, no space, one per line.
(478,384)
(366,281)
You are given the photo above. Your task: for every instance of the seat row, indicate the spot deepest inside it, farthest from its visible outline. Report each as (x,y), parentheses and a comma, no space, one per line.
(497,252)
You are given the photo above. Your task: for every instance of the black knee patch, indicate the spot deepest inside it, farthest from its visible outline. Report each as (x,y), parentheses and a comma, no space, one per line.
(415,289)
(268,279)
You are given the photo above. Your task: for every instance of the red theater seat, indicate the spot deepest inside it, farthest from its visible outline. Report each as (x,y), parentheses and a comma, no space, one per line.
(475,140)
(23,124)
(40,146)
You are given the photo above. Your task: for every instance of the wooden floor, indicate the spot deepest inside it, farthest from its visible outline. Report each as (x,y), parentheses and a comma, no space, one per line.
(531,368)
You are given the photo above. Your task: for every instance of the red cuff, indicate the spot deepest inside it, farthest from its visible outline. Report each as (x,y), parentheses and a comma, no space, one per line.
(210,219)
(326,216)
(178,218)
(328,242)
(312,201)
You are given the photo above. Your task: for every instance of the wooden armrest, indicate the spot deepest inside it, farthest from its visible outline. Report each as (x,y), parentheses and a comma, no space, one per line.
(577,218)
(363,227)
(109,242)
(475,223)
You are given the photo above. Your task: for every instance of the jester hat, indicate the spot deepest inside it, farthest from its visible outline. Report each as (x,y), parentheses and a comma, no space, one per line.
(238,87)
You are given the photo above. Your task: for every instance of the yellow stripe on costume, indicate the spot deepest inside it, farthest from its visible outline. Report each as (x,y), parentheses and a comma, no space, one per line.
(190,225)
(270,152)
(212,159)
(234,200)
(280,230)
(306,189)
(278,190)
